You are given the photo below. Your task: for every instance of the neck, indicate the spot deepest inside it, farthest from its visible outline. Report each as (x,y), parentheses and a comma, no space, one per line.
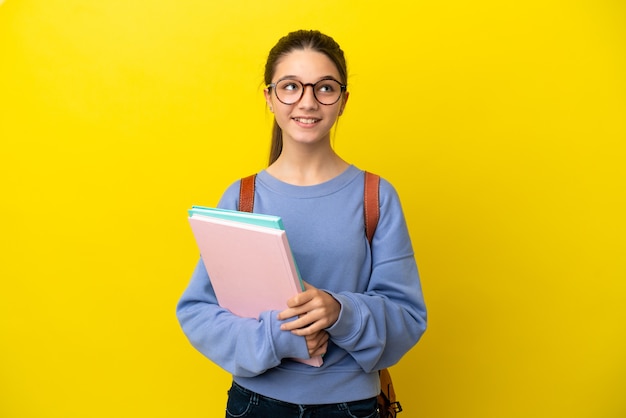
(307,169)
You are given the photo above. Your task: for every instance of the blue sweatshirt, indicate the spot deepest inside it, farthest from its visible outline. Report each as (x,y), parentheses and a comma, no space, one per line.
(382,308)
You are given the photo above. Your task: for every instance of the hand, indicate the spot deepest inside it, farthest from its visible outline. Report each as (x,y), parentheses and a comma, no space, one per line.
(316,310)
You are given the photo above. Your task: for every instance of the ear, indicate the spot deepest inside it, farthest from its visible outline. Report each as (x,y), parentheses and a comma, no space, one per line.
(343,102)
(268,98)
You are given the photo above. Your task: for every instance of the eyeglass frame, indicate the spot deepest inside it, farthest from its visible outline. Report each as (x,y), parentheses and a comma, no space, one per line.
(343,88)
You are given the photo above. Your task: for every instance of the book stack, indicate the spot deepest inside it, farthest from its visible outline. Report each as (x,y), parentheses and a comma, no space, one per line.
(249,261)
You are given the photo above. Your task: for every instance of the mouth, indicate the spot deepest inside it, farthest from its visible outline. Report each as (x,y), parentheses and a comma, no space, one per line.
(306,121)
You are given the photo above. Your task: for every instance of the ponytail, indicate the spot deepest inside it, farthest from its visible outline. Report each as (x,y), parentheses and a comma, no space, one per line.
(276,146)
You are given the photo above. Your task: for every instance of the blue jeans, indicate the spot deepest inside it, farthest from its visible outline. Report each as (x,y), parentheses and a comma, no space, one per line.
(245,403)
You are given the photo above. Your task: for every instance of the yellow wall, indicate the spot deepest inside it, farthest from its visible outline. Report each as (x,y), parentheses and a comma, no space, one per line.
(502,125)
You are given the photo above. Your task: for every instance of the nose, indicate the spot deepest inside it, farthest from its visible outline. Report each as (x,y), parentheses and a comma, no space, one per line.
(308,99)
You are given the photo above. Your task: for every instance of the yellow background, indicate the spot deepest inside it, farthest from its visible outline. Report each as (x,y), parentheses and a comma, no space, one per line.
(502,125)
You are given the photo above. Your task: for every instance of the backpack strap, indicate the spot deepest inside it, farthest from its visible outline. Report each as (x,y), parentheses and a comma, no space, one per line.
(388,405)
(371,204)
(246,193)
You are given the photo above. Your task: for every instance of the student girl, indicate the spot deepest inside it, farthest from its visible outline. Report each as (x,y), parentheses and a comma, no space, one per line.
(362,308)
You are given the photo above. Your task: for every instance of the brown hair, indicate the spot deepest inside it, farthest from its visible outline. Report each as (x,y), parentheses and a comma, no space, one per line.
(298,40)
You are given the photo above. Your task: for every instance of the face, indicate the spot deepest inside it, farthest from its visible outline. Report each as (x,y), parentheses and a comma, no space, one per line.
(307,120)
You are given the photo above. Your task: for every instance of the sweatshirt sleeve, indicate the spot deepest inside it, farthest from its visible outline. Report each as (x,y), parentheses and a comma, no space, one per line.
(379,326)
(242,346)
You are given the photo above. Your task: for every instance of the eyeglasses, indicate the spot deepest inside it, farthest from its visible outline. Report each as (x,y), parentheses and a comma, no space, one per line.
(327,91)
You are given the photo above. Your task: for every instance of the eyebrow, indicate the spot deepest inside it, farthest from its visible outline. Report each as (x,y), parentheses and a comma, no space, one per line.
(295,77)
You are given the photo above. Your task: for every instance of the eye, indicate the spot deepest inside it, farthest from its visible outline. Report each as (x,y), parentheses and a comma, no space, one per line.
(327,86)
(289,86)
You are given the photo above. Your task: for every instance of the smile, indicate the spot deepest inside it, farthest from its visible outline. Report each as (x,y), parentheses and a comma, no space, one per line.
(308,121)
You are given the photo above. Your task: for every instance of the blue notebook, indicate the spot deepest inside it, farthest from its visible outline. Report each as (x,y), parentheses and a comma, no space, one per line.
(258,219)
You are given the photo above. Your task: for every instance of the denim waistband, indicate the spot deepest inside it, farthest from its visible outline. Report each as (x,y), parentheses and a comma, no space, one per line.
(278,401)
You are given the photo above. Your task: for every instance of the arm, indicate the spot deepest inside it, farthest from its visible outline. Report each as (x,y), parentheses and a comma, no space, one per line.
(378,326)
(242,346)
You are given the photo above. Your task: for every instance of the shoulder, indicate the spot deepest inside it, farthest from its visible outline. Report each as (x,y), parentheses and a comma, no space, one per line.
(230,197)
(389,202)
(387,192)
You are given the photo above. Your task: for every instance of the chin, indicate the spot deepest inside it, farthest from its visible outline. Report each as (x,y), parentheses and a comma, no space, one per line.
(309,139)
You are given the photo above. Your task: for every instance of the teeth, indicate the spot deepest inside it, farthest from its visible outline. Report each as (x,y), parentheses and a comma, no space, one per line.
(303,120)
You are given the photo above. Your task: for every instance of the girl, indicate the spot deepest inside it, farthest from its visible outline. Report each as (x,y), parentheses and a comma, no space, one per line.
(362,308)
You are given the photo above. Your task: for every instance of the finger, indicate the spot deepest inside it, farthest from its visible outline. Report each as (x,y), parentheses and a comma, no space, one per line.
(320,350)
(317,338)
(313,321)
(317,341)
(308,323)
(308,330)
(301,298)
(291,312)
(304,324)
